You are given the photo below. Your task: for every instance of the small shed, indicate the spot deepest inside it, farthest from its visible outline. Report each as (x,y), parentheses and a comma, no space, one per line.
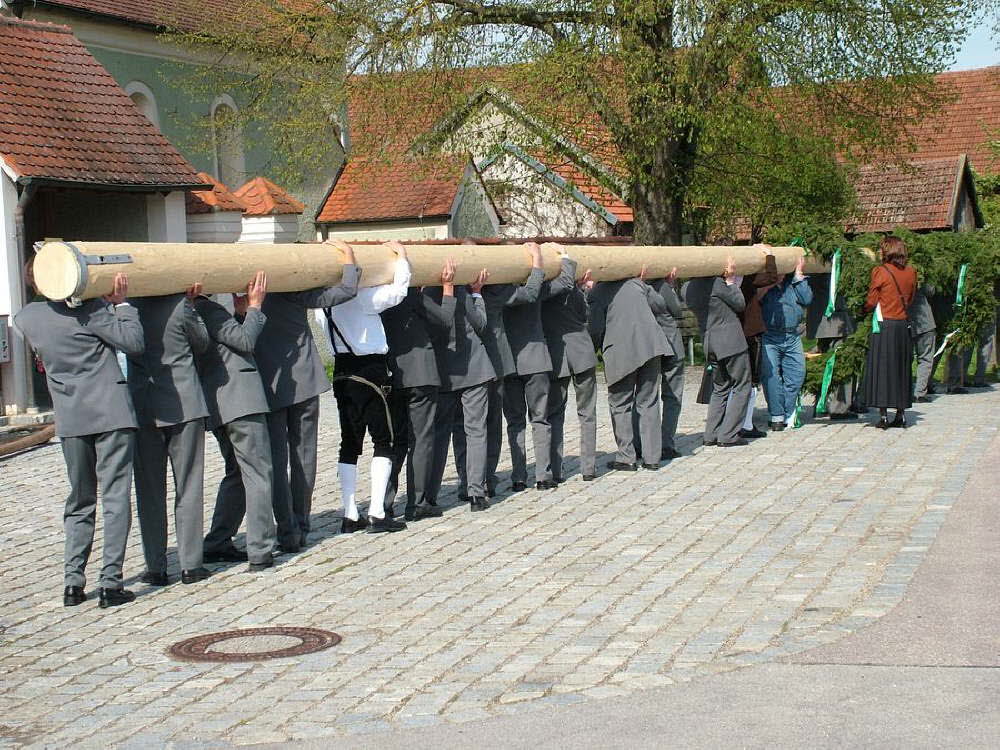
(214,215)
(270,214)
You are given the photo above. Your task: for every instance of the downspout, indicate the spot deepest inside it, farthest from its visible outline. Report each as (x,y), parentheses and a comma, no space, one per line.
(27,193)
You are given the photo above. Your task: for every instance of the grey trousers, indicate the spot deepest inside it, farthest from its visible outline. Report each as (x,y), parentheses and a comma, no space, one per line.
(470,438)
(923,350)
(725,415)
(840,397)
(245,490)
(294,432)
(184,445)
(104,458)
(414,411)
(957,365)
(526,398)
(672,396)
(637,396)
(585,385)
(494,431)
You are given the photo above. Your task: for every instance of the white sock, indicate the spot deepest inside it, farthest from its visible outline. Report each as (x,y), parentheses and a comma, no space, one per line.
(348,474)
(380,472)
(748,422)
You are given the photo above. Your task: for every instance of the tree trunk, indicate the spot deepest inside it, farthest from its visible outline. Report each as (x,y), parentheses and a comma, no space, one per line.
(659,196)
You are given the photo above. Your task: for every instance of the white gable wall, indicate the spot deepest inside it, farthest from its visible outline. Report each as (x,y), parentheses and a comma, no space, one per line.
(380,231)
(217,226)
(269,230)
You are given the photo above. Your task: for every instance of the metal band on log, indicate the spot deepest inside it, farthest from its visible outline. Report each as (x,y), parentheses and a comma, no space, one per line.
(87,269)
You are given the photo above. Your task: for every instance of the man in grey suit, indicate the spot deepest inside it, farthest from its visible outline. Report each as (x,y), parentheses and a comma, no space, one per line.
(413,400)
(237,417)
(923,328)
(497,298)
(830,332)
(96,424)
(565,317)
(717,302)
(294,378)
(623,325)
(671,365)
(170,405)
(466,372)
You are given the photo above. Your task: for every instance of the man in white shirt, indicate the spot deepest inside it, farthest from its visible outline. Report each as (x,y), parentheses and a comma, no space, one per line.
(361,384)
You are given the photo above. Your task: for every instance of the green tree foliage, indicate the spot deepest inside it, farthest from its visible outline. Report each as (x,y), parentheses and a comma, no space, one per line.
(937,257)
(666,85)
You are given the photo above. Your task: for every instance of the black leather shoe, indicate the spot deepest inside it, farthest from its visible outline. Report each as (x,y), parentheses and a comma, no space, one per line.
(589,477)
(74,595)
(670,454)
(226,554)
(558,480)
(423,510)
(651,467)
(518,487)
(114,597)
(846,415)
(777,426)
(753,434)
(257,567)
(922,400)
(546,484)
(618,466)
(735,444)
(899,422)
(154,579)
(347,526)
(384,525)
(710,443)
(479,504)
(194,575)
(882,424)
(289,549)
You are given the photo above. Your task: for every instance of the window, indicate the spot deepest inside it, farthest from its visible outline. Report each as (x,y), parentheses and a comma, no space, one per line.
(143,97)
(230,162)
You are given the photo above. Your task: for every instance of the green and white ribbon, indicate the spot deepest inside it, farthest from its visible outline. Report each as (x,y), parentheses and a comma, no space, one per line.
(877,318)
(824,390)
(797,416)
(834,282)
(960,291)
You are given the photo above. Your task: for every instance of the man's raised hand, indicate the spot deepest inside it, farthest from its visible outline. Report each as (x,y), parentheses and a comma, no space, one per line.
(257,290)
(119,290)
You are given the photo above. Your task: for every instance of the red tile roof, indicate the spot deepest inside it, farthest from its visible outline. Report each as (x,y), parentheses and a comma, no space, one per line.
(263,198)
(920,196)
(63,117)
(189,15)
(218,198)
(396,189)
(590,188)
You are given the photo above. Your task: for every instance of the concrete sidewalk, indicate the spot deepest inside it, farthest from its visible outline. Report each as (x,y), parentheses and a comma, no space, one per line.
(926,675)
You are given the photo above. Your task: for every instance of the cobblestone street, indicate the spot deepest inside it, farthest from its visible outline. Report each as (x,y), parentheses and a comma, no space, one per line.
(725,558)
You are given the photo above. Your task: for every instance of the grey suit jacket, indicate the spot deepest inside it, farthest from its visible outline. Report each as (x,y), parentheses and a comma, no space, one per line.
(462,358)
(622,323)
(286,354)
(920,313)
(565,317)
(163,380)
(77,346)
(524,324)
(411,352)
(839,325)
(497,298)
(717,305)
(228,371)
(669,319)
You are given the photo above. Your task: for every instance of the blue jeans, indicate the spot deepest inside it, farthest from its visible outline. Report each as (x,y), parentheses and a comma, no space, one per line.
(783,373)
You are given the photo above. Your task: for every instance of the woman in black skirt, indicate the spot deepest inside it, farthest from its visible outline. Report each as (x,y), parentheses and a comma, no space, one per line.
(888,379)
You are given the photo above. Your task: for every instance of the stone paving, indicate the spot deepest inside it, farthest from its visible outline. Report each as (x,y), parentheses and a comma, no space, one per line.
(725,558)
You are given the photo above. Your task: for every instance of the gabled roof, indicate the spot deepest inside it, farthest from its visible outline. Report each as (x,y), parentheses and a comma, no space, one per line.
(63,117)
(394,190)
(218,198)
(922,195)
(263,198)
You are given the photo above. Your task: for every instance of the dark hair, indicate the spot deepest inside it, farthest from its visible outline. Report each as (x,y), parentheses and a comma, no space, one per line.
(893,251)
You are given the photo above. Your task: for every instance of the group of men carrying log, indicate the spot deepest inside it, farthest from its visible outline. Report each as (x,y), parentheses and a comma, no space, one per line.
(416,369)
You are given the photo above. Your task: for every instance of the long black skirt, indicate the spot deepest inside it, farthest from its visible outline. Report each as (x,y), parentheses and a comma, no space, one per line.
(888,379)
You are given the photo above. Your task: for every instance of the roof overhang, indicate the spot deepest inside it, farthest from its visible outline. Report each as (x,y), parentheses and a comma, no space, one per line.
(390,220)
(109,187)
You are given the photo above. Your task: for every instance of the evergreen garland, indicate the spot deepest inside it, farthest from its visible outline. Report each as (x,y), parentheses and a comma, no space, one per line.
(937,257)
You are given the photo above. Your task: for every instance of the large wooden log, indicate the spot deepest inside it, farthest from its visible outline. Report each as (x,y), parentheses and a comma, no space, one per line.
(87,269)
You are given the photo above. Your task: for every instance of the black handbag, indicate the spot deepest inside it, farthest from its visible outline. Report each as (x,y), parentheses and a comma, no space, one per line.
(707,381)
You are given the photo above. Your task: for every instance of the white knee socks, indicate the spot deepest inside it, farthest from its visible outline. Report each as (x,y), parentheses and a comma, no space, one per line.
(348,474)
(748,421)
(381,470)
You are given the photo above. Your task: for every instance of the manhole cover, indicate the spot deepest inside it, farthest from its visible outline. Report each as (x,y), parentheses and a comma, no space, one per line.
(254,644)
